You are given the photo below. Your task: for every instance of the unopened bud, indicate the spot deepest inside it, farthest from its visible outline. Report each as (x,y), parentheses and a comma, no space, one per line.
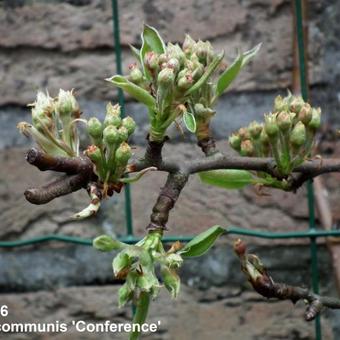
(174,64)
(151,61)
(123,134)
(188,44)
(305,114)
(110,135)
(93,152)
(171,281)
(166,76)
(43,106)
(298,135)
(284,121)
(235,142)
(67,104)
(123,153)
(174,51)
(244,133)
(255,129)
(94,128)
(106,243)
(136,75)
(270,125)
(280,104)
(162,59)
(315,122)
(203,51)
(296,104)
(129,124)
(247,148)
(185,82)
(113,110)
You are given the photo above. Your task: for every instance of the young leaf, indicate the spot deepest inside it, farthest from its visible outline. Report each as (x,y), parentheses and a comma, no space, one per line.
(135,51)
(209,71)
(106,243)
(227,178)
(233,70)
(189,121)
(202,242)
(133,90)
(151,41)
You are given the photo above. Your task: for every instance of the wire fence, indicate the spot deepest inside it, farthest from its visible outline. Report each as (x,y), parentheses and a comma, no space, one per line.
(312,233)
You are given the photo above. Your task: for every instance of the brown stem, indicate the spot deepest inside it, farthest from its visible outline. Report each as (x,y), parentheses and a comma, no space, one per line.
(208,146)
(166,200)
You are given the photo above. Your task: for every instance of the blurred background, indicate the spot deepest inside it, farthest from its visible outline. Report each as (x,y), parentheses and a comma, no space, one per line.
(69,44)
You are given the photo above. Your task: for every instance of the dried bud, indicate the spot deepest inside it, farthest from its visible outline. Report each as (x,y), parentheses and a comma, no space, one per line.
(235,142)
(123,153)
(166,77)
(298,135)
(284,121)
(67,104)
(94,128)
(240,247)
(315,122)
(305,114)
(296,104)
(151,61)
(110,135)
(270,125)
(247,148)
(255,129)
(129,124)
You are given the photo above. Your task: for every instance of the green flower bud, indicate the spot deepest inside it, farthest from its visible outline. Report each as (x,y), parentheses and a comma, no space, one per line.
(243,133)
(93,152)
(182,73)
(270,125)
(136,75)
(264,137)
(106,243)
(284,121)
(94,128)
(203,51)
(298,135)
(112,121)
(174,51)
(315,122)
(166,77)
(110,135)
(129,124)
(171,281)
(123,153)
(67,104)
(185,82)
(235,142)
(123,134)
(305,114)
(124,295)
(198,71)
(247,148)
(255,129)
(188,44)
(151,61)
(42,107)
(162,59)
(296,104)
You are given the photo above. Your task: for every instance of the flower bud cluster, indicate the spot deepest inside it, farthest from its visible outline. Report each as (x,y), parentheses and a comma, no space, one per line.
(110,151)
(137,264)
(52,125)
(287,134)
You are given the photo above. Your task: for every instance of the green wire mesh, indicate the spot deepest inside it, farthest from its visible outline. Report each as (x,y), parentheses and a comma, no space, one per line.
(312,233)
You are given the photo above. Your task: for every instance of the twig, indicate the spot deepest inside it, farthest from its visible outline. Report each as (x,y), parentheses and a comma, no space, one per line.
(264,284)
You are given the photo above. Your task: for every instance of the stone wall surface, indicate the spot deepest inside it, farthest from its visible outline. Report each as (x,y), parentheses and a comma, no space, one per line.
(69,44)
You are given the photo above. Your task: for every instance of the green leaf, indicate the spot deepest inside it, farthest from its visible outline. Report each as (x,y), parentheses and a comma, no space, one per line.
(233,70)
(151,41)
(227,178)
(202,242)
(211,68)
(133,90)
(135,51)
(189,121)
